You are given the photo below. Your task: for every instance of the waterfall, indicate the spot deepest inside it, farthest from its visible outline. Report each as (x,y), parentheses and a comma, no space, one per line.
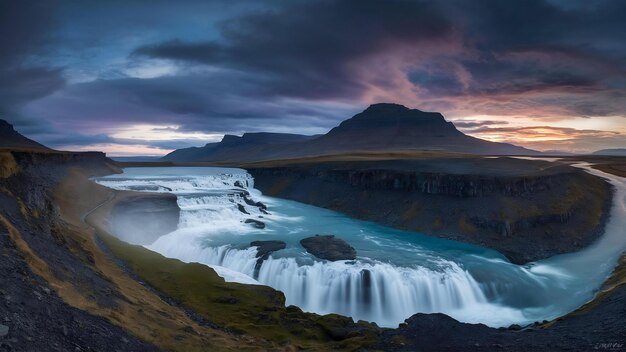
(212,231)
(372,291)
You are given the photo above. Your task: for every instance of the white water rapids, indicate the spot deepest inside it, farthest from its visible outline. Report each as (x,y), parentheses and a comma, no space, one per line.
(396,273)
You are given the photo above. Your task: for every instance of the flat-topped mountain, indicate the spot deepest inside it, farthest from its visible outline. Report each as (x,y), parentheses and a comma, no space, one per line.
(11,139)
(396,127)
(380,127)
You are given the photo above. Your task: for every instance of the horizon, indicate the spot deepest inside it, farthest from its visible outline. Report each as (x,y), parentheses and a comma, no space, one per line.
(143,79)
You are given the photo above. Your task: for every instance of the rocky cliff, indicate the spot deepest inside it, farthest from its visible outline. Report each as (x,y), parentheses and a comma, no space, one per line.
(526,210)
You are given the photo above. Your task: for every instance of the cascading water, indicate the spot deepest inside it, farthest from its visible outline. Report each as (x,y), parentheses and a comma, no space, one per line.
(395,275)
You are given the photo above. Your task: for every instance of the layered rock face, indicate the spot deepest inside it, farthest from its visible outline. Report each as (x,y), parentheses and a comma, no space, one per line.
(526,210)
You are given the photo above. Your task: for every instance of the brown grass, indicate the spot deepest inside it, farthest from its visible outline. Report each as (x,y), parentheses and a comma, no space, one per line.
(8,166)
(465,226)
(353,156)
(344,156)
(617,169)
(410,214)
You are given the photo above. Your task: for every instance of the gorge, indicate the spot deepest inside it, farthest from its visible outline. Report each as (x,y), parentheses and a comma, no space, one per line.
(424,274)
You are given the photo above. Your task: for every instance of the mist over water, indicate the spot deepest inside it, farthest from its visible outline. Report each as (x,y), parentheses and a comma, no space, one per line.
(396,273)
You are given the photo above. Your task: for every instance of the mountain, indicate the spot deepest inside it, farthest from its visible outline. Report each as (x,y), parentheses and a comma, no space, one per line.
(380,127)
(611,152)
(11,139)
(247,147)
(396,127)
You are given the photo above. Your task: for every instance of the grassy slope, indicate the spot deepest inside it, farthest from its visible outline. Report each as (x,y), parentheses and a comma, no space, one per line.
(257,311)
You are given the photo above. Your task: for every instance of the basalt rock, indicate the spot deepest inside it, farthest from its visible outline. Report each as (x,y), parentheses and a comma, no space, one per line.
(256,223)
(329,247)
(264,249)
(249,201)
(242,209)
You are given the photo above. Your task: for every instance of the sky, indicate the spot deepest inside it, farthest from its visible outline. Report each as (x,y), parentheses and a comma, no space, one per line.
(146,77)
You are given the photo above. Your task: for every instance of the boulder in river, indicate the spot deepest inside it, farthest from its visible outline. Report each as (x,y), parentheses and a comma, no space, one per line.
(256,223)
(260,205)
(242,209)
(265,248)
(328,247)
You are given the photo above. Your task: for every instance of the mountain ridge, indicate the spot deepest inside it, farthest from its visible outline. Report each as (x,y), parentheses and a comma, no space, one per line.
(611,152)
(380,127)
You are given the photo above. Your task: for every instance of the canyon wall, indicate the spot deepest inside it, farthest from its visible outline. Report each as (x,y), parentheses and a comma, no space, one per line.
(526,215)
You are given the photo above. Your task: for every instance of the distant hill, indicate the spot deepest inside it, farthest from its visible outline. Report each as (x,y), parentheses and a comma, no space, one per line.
(380,127)
(611,152)
(140,158)
(558,153)
(249,146)
(11,139)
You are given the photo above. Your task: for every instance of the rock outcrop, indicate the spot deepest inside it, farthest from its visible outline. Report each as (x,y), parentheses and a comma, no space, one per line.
(328,247)
(265,248)
(251,202)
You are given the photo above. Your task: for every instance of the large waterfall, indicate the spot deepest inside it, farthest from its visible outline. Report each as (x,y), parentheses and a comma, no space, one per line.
(395,274)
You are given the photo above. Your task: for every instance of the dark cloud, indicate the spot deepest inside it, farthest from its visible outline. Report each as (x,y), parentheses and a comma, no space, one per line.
(320,50)
(437,81)
(471,124)
(312,49)
(24,26)
(21,85)
(206,103)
